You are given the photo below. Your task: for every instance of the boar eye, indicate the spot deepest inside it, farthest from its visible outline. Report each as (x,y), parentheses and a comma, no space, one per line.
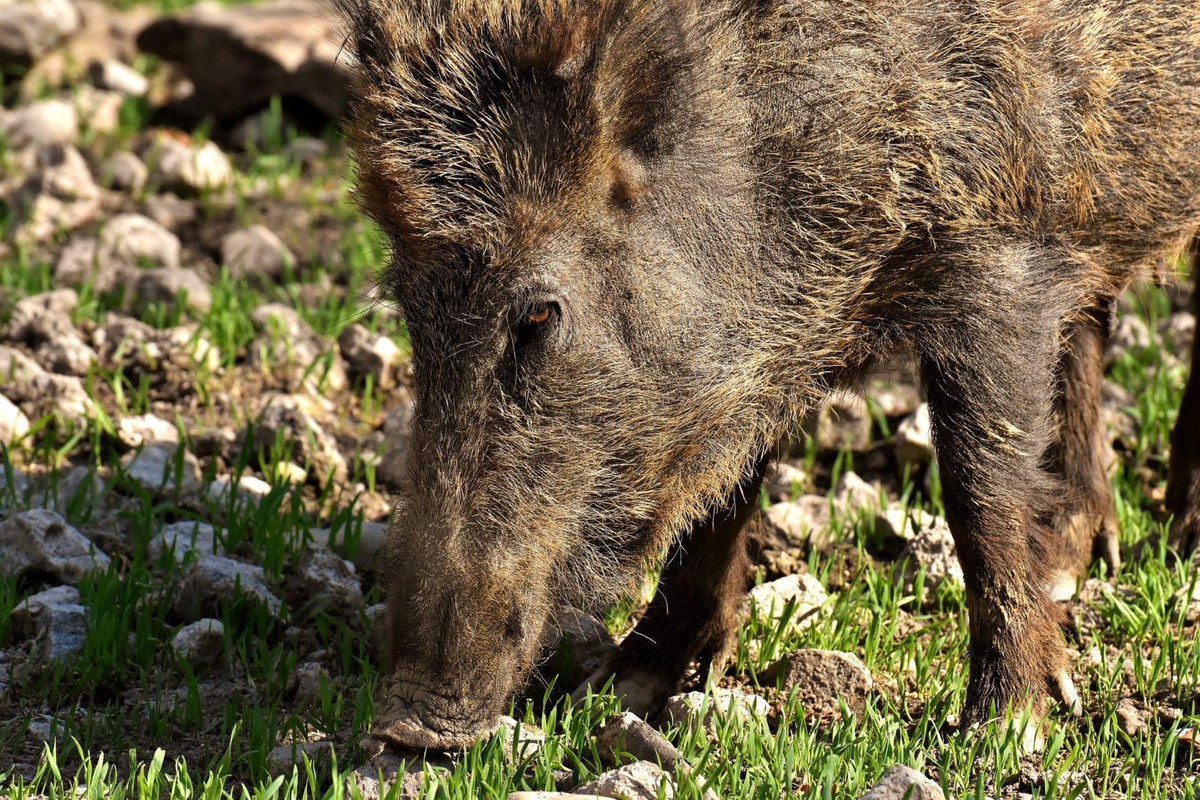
(538,315)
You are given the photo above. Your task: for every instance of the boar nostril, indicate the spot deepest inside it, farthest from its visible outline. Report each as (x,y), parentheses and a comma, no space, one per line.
(513,628)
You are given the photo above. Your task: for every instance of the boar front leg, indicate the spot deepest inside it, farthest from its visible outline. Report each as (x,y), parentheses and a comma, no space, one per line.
(693,616)
(988,362)
(1183,489)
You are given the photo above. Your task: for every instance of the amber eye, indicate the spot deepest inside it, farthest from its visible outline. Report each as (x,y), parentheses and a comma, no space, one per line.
(538,314)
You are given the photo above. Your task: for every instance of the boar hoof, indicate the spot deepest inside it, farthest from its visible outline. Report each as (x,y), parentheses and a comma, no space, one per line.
(1185,533)
(1090,535)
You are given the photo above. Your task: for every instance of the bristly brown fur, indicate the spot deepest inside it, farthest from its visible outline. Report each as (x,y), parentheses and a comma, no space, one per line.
(732,207)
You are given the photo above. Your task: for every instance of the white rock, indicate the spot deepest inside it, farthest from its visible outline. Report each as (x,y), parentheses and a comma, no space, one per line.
(697,708)
(248,488)
(40,124)
(771,599)
(819,679)
(179,166)
(904,783)
(201,644)
(160,467)
(283,759)
(183,538)
(126,172)
(640,780)
(932,548)
(914,439)
(368,354)
(521,741)
(144,429)
(853,494)
(256,253)
(13,422)
(29,28)
(787,481)
(129,241)
(325,574)
(164,285)
(40,541)
(118,76)
(799,520)
(55,620)
(213,581)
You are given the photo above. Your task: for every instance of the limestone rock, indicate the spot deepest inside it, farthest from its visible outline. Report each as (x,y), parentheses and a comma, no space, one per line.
(40,541)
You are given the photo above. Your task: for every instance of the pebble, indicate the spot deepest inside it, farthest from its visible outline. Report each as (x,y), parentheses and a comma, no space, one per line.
(786,481)
(370,540)
(368,354)
(118,76)
(40,124)
(256,253)
(283,759)
(931,548)
(40,541)
(844,424)
(13,422)
(628,733)
(641,780)
(521,741)
(327,575)
(904,783)
(144,429)
(179,166)
(183,538)
(914,440)
(801,521)
(160,467)
(1132,719)
(55,620)
(164,286)
(245,488)
(126,172)
(209,586)
(130,241)
(771,599)
(821,678)
(28,30)
(201,644)
(698,708)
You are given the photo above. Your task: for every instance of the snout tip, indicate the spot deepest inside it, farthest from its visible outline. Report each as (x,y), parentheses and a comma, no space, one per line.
(419,726)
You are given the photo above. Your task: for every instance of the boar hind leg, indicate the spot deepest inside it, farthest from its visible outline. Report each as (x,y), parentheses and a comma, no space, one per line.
(1183,488)
(693,616)
(990,378)
(1085,518)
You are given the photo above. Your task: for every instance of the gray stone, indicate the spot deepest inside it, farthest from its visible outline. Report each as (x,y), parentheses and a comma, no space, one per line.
(853,495)
(126,172)
(245,488)
(895,398)
(128,241)
(640,780)
(1130,333)
(29,28)
(902,524)
(931,548)
(201,644)
(771,599)
(67,354)
(283,759)
(181,167)
(289,344)
(914,440)
(288,416)
(17,367)
(787,481)
(99,110)
(697,708)
(327,575)
(184,538)
(370,539)
(67,397)
(521,741)
(904,783)
(40,541)
(392,468)
(169,210)
(13,422)
(628,733)
(159,467)
(77,264)
(257,254)
(368,354)
(1132,719)
(118,76)
(59,195)
(821,678)
(42,317)
(41,124)
(377,779)
(56,622)
(309,677)
(213,581)
(239,57)
(796,522)
(144,429)
(165,285)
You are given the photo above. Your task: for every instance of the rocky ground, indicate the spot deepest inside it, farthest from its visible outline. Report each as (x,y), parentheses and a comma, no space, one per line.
(204,414)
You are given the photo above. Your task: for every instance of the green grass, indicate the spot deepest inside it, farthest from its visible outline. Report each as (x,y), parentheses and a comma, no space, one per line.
(209,734)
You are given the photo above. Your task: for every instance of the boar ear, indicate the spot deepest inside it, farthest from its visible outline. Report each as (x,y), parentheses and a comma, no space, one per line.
(649,71)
